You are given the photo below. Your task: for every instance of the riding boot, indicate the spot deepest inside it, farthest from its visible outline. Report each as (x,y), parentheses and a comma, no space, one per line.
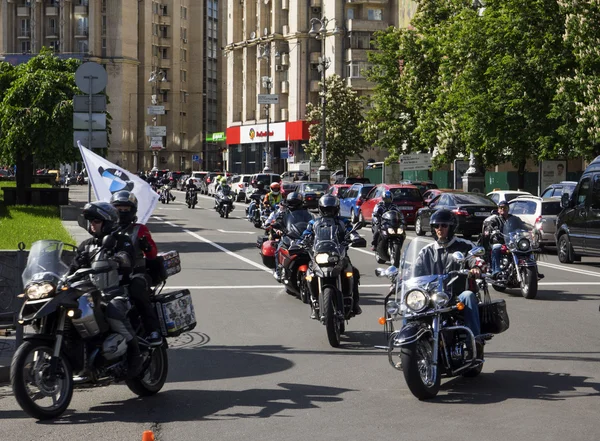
(134,359)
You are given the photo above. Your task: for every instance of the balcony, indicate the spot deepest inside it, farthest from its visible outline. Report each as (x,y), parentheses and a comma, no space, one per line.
(353,25)
(24,33)
(163,20)
(357,54)
(51,33)
(51,11)
(80,10)
(359,83)
(23,11)
(284,114)
(315,57)
(164,85)
(81,32)
(164,62)
(285,87)
(315,3)
(315,86)
(164,41)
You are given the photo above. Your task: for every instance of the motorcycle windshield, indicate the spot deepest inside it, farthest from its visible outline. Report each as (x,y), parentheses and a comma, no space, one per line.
(44,260)
(517,234)
(411,268)
(326,236)
(296,222)
(392,217)
(226,190)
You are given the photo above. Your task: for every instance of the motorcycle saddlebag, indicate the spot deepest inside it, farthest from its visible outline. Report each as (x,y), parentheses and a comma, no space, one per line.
(165,265)
(175,312)
(493,317)
(268,253)
(260,240)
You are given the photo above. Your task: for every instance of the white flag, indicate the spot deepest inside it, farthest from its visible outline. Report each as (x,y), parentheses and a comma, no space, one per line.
(107,178)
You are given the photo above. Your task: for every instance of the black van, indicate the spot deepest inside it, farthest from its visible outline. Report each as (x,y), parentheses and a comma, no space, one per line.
(578,224)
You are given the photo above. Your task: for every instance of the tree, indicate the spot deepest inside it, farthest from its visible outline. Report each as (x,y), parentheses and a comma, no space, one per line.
(36,115)
(344,118)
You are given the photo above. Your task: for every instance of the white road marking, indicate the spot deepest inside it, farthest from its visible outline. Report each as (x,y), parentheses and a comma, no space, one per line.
(572,270)
(237,232)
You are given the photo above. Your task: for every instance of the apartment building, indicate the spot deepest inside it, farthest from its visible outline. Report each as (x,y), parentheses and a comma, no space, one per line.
(269,50)
(160,54)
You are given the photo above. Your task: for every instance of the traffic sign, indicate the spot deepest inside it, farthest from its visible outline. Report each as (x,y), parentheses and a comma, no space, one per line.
(81,103)
(268,98)
(81,121)
(156,142)
(156,110)
(91,78)
(156,130)
(99,139)
(195,158)
(415,161)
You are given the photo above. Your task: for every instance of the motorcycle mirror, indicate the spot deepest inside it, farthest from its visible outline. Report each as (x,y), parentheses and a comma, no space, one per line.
(380,272)
(477,251)
(109,242)
(82,221)
(458,256)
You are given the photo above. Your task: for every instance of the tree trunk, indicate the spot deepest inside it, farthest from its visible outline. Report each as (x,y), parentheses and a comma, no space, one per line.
(521,176)
(24,177)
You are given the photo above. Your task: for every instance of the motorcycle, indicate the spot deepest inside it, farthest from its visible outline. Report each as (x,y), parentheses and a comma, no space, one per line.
(73,345)
(191,197)
(433,339)
(293,259)
(165,195)
(331,278)
(80,180)
(224,202)
(392,235)
(518,266)
(256,210)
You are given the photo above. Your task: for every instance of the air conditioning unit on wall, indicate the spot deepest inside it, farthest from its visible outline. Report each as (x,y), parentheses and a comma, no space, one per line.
(316,10)
(279,68)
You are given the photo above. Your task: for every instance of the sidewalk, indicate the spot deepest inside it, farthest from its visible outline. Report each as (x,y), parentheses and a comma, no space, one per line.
(78,196)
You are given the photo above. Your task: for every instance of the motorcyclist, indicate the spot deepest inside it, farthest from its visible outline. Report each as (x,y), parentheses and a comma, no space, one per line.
(382,207)
(190,185)
(329,206)
(166,183)
(103,220)
(259,193)
(273,198)
(493,238)
(436,258)
(145,249)
(223,189)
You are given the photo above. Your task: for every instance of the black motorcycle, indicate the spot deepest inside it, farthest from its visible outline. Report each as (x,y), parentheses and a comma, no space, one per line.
(224,202)
(391,237)
(255,207)
(433,339)
(73,344)
(191,197)
(518,266)
(165,195)
(332,279)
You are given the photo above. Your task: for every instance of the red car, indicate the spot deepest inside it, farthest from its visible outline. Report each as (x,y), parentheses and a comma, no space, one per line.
(408,197)
(338,190)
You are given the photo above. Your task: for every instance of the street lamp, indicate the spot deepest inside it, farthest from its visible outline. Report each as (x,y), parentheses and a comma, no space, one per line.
(155,77)
(321,34)
(264,52)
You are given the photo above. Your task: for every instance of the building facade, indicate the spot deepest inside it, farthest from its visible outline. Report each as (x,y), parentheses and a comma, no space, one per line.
(160,54)
(269,51)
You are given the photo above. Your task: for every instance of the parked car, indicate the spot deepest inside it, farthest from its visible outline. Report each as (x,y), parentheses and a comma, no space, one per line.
(208,178)
(407,197)
(211,189)
(353,199)
(351,181)
(288,187)
(181,182)
(540,214)
(506,195)
(470,210)
(293,176)
(239,183)
(338,190)
(311,192)
(265,178)
(557,190)
(423,186)
(577,226)
(432,193)
(174,176)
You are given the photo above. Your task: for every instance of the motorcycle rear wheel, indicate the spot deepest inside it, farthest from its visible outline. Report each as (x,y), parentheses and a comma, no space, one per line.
(303,285)
(332,323)
(417,366)
(154,376)
(529,283)
(29,370)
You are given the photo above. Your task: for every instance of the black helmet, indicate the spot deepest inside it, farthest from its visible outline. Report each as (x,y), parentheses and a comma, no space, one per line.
(294,200)
(503,204)
(260,185)
(443,217)
(329,206)
(103,211)
(125,198)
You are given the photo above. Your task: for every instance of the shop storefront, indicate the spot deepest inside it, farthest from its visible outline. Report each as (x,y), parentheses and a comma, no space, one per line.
(247,145)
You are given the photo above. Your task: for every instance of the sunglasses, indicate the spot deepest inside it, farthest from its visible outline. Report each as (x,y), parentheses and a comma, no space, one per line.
(502,207)
(96,221)
(436,226)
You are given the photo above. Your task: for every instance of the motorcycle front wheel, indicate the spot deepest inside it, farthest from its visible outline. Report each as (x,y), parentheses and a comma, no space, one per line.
(529,282)
(153,378)
(332,323)
(417,365)
(40,395)
(395,256)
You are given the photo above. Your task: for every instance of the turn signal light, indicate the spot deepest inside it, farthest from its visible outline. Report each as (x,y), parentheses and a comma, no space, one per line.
(460,306)
(382,320)
(349,274)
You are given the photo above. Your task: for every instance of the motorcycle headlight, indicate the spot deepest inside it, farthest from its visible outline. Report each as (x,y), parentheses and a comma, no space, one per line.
(416,300)
(392,307)
(39,291)
(322,258)
(391,231)
(523,244)
(400,230)
(440,299)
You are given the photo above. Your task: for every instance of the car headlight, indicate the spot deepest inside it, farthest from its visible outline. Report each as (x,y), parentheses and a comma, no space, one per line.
(440,299)
(39,291)
(392,307)
(416,300)
(523,244)
(322,258)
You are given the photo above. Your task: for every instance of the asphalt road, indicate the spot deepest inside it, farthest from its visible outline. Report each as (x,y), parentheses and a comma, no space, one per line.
(257,368)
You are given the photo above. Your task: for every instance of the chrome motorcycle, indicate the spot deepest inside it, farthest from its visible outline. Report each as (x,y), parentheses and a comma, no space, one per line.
(391,237)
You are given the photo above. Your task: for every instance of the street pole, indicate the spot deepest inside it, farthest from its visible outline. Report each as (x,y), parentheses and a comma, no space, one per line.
(268,157)
(323,173)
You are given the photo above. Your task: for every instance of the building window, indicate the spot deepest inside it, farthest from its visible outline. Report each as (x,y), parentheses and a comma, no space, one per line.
(26,46)
(360,40)
(154,7)
(357,70)
(350,14)
(164,97)
(55,45)
(25,28)
(82,26)
(155,29)
(163,9)
(184,97)
(183,13)
(103,30)
(183,33)
(183,76)
(103,6)
(183,55)
(164,53)
(375,14)
(82,46)
(52,26)
(164,32)
(104,43)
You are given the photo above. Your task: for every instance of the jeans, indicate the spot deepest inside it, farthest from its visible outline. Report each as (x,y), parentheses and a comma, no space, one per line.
(496,253)
(471,311)
(251,209)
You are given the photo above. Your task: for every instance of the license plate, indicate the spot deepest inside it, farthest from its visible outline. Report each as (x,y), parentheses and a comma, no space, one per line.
(482,213)
(406,207)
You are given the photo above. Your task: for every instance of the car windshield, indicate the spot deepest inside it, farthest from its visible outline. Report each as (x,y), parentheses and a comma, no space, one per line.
(365,191)
(472,199)
(406,194)
(316,186)
(44,258)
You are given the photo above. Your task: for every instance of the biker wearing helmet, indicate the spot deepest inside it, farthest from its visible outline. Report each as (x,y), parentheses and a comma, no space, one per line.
(256,197)
(329,207)
(101,219)
(222,189)
(273,198)
(145,250)
(436,258)
(382,207)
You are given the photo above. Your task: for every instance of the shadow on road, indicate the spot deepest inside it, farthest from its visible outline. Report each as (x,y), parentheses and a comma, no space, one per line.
(548,294)
(503,385)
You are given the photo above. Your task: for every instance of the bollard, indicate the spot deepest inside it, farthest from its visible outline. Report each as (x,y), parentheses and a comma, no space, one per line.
(148,435)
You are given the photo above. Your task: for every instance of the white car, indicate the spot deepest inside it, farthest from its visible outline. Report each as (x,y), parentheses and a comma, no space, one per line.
(506,195)
(212,187)
(538,213)
(239,186)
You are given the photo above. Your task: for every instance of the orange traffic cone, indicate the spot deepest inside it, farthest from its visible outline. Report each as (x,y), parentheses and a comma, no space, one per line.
(148,435)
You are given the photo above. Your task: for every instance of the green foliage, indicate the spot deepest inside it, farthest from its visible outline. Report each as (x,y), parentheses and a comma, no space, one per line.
(344,118)
(36,110)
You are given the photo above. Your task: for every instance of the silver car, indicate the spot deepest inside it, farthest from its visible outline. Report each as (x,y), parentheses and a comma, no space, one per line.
(540,214)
